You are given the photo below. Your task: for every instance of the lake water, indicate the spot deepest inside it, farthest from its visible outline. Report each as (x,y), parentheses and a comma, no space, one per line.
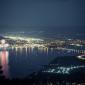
(21,62)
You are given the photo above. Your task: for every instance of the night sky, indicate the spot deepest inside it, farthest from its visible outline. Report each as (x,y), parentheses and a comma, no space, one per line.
(18,15)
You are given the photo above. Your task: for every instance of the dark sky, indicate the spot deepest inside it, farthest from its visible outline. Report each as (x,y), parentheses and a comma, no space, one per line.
(42,14)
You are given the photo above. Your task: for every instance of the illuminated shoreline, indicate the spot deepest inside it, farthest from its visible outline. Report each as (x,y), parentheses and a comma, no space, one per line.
(82,57)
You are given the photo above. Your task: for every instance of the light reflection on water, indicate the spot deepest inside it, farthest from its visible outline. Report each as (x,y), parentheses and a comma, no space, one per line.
(30,50)
(4,63)
(20,62)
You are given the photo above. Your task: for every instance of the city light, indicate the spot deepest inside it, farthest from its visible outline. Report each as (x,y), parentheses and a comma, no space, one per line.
(3,44)
(3,41)
(82,57)
(23,38)
(62,69)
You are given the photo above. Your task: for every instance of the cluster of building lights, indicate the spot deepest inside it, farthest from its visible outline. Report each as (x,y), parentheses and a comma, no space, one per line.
(31,42)
(23,38)
(3,44)
(27,42)
(63,70)
(28,45)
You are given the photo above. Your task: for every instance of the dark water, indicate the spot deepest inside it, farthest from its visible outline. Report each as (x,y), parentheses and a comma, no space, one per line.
(20,62)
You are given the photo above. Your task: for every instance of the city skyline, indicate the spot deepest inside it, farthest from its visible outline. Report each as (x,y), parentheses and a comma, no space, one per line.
(42,42)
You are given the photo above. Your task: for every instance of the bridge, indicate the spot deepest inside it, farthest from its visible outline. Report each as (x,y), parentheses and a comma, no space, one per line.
(72,50)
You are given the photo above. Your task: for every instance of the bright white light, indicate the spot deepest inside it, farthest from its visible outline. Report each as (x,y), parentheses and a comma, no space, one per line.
(23,38)
(63,70)
(3,44)
(2,41)
(6,45)
(81,57)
